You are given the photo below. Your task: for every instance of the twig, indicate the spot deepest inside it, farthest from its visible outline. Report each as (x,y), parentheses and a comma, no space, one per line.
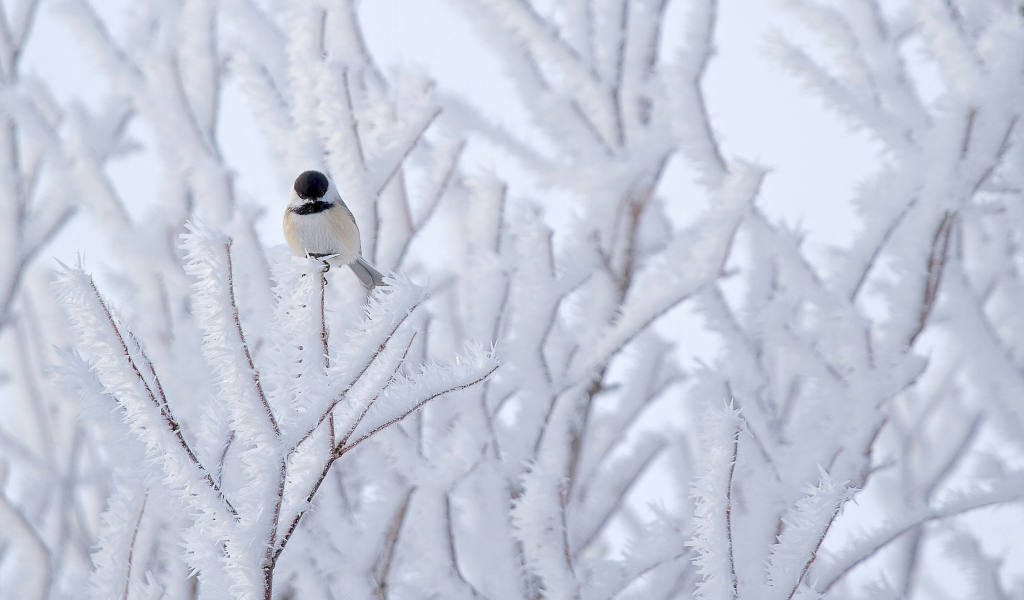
(416,407)
(936,265)
(620,498)
(270,555)
(383,566)
(369,405)
(353,120)
(814,553)
(728,510)
(253,372)
(450,531)
(355,380)
(131,546)
(408,150)
(162,407)
(342,450)
(878,248)
(968,131)
(445,182)
(323,317)
(35,537)
(1002,493)
(223,457)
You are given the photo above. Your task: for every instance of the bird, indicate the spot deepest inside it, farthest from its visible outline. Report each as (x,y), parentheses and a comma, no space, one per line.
(318,224)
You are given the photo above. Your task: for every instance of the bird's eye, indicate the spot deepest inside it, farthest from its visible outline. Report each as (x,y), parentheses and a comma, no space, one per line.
(311,185)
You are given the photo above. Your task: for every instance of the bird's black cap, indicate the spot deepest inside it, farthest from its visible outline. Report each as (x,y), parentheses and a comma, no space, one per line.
(311,185)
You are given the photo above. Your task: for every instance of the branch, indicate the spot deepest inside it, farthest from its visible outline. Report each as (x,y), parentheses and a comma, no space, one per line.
(159,402)
(936,265)
(342,449)
(253,372)
(1006,489)
(414,408)
(131,547)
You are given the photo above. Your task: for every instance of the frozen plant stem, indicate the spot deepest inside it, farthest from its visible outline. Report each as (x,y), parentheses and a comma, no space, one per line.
(245,347)
(728,511)
(161,403)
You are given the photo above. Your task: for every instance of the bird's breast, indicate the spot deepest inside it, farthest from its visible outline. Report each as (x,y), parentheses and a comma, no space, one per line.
(331,229)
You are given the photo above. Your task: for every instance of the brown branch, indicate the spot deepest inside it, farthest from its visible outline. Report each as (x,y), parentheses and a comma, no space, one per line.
(270,555)
(416,407)
(353,120)
(1003,147)
(445,182)
(936,266)
(323,317)
(254,373)
(878,249)
(341,450)
(382,568)
(621,497)
(408,150)
(162,407)
(369,405)
(450,531)
(814,553)
(972,115)
(728,510)
(131,547)
(355,380)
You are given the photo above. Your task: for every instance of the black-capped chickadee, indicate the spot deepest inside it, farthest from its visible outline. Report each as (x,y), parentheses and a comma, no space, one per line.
(318,224)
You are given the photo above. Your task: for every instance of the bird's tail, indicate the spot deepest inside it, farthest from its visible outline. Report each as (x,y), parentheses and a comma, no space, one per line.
(368,276)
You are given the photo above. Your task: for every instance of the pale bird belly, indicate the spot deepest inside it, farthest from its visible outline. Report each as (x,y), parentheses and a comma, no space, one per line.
(329,232)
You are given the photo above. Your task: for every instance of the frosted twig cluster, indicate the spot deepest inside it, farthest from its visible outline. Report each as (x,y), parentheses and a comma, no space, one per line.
(286,425)
(262,413)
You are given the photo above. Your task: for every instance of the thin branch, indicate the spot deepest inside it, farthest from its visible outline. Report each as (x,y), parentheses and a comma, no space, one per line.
(409,148)
(450,531)
(445,182)
(34,536)
(629,580)
(323,317)
(342,450)
(936,266)
(878,248)
(728,511)
(814,553)
(131,546)
(620,498)
(589,125)
(1003,492)
(254,373)
(416,407)
(162,407)
(382,568)
(357,378)
(1003,147)
(965,146)
(353,120)
(355,424)
(270,554)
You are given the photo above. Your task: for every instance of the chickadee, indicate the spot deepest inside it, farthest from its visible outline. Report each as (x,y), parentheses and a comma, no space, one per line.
(318,224)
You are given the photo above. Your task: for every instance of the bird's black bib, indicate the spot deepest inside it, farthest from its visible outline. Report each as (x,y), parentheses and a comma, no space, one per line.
(311,208)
